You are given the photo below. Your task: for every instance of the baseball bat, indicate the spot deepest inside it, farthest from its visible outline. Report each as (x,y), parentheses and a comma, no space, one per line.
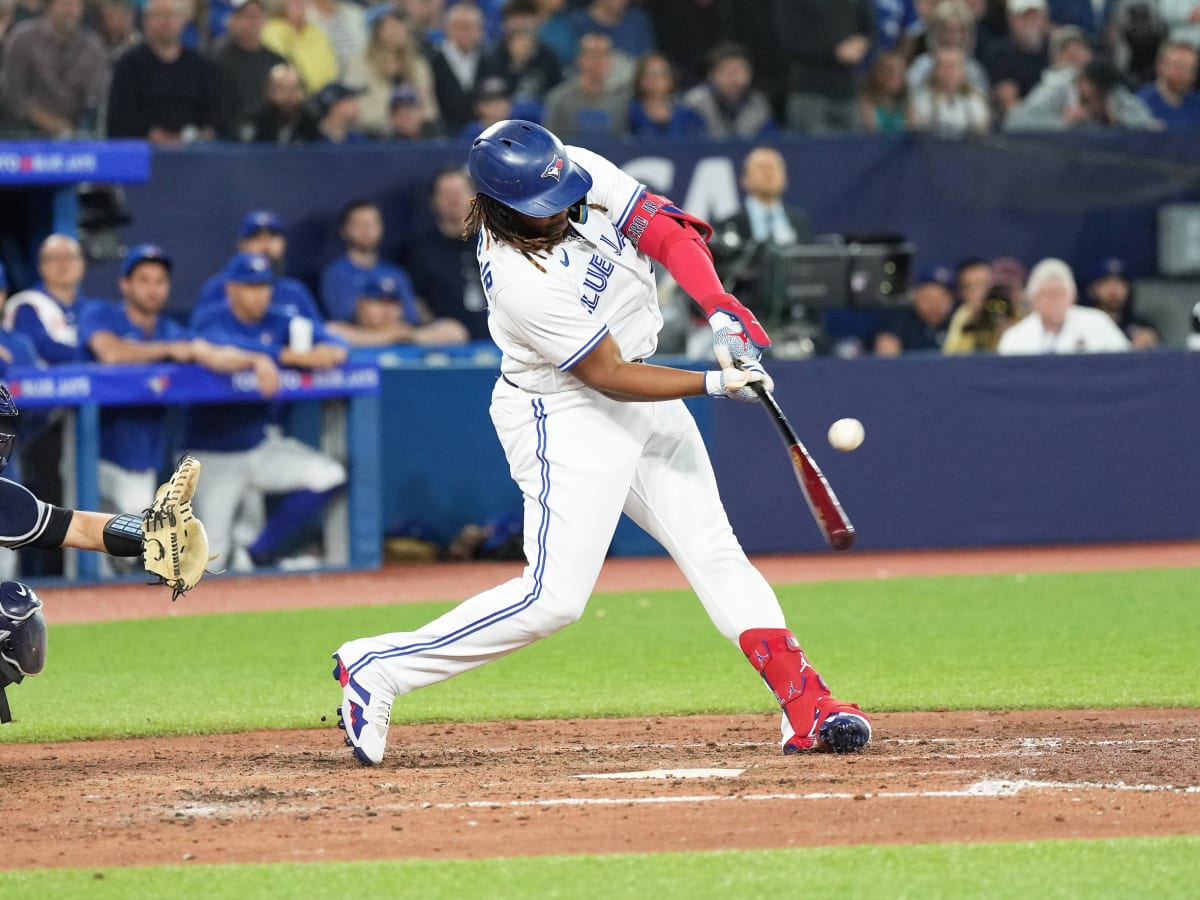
(822,501)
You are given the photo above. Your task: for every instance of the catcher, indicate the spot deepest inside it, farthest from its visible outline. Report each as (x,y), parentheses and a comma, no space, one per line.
(170,540)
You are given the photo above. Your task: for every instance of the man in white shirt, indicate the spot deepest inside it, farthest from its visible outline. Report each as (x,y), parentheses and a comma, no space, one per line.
(1056,324)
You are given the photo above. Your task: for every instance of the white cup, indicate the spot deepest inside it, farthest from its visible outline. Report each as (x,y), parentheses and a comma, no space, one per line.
(300,334)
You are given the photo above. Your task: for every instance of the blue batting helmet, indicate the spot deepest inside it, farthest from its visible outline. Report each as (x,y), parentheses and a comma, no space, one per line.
(526,168)
(22,638)
(8,425)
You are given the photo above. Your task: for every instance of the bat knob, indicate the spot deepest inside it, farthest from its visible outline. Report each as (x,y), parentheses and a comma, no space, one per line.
(843,539)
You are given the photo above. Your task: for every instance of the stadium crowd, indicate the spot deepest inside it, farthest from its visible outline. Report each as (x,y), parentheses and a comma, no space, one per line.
(334,71)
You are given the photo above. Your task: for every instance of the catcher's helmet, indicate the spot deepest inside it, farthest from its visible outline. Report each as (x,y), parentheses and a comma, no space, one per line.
(526,168)
(22,638)
(8,425)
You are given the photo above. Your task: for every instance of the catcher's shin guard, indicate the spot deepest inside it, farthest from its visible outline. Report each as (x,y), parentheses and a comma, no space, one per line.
(819,721)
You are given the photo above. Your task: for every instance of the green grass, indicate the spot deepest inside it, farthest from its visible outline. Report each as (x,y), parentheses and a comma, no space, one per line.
(1083,640)
(1135,867)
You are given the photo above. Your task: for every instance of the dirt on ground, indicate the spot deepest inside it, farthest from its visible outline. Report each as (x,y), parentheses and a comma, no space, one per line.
(598,785)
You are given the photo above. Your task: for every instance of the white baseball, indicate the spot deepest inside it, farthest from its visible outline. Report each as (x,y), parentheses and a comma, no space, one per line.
(846,434)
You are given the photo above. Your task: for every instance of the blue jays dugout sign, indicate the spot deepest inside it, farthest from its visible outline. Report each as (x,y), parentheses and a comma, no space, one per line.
(168,384)
(65,162)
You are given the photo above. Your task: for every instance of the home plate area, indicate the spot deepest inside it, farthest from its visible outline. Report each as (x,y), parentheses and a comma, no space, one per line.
(600,786)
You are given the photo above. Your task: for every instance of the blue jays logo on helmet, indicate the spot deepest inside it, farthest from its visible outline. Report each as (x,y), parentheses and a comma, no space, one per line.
(554,169)
(525,167)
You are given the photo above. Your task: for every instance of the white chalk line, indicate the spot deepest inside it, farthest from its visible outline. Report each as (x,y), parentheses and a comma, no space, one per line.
(986,788)
(1023,744)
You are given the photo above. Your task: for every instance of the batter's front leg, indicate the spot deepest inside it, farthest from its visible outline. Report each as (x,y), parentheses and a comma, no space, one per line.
(674,498)
(573,478)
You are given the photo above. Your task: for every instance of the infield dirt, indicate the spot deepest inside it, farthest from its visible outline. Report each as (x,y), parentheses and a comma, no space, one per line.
(513,788)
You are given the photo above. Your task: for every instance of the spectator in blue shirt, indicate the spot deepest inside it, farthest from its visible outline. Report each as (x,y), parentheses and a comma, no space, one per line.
(133,438)
(261,232)
(655,110)
(242,457)
(360,227)
(1172,97)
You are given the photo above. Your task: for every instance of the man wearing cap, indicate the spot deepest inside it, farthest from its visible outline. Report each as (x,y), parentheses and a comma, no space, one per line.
(133,332)
(379,320)
(335,111)
(243,67)
(162,90)
(1110,290)
(408,117)
(261,232)
(922,327)
(242,457)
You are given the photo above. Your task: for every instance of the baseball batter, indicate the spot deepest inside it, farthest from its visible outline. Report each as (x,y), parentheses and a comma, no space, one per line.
(566,248)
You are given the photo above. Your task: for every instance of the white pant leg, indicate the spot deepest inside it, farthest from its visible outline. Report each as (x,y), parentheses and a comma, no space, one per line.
(281,464)
(250,518)
(125,490)
(225,478)
(573,456)
(674,498)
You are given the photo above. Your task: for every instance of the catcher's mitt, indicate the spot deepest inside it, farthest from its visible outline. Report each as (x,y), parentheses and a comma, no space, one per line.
(175,545)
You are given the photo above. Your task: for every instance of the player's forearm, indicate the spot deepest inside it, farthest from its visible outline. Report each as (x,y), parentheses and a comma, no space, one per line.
(224,358)
(122,352)
(623,380)
(86,531)
(441,331)
(640,382)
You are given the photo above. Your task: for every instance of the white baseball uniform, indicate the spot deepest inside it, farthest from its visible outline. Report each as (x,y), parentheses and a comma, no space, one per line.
(579,457)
